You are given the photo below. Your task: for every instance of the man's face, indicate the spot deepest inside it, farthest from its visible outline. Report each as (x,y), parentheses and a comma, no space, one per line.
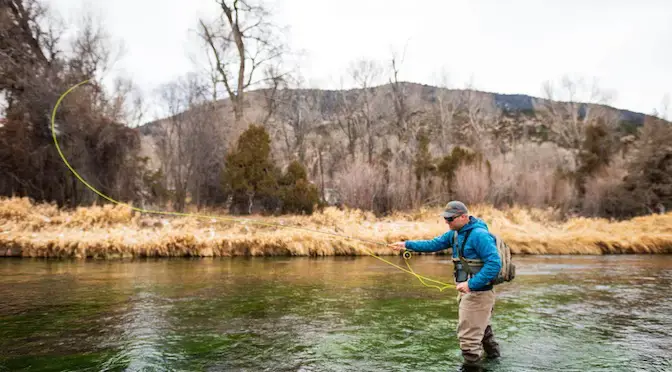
(456,222)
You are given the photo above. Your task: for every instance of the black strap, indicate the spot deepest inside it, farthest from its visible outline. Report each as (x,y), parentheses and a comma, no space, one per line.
(460,253)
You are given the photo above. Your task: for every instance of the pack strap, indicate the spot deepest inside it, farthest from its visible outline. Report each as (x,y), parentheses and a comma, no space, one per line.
(472,261)
(460,252)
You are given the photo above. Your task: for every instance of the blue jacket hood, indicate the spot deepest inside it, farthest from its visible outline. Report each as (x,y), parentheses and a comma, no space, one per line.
(473,223)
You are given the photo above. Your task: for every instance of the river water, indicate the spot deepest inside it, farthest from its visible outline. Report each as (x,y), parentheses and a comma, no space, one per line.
(580,313)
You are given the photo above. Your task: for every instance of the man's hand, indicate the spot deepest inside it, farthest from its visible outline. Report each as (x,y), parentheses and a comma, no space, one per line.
(463,287)
(398,246)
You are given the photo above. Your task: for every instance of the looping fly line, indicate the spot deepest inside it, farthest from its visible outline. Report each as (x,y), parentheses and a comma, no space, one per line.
(406,255)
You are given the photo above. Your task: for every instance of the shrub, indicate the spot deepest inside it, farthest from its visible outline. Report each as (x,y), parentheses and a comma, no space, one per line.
(360,183)
(472,183)
(298,194)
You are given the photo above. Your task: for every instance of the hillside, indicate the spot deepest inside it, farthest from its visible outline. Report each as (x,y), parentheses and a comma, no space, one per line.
(507,102)
(394,146)
(427,94)
(301,118)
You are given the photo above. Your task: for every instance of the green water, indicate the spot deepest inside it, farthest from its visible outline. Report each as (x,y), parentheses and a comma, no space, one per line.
(332,314)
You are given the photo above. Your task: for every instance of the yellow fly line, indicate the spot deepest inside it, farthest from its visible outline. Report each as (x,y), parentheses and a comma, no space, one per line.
(407,255)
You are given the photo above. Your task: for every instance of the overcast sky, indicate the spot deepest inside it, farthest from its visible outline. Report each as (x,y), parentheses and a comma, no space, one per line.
(504,46)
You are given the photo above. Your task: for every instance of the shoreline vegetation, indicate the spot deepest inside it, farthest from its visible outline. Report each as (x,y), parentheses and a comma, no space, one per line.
(113,231)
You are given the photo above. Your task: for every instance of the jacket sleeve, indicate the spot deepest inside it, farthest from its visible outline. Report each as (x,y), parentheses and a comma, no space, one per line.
(486,248)
(439,243)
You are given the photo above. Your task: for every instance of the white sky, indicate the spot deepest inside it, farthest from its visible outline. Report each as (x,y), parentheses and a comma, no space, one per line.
(508,46)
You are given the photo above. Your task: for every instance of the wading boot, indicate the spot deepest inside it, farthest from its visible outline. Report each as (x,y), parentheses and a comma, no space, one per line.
(490,345)
(472,358)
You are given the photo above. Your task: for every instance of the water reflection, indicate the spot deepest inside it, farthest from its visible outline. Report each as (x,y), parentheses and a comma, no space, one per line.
(142,333)
(561,313)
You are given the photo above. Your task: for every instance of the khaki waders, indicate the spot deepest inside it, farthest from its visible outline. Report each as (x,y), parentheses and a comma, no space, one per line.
(473,328)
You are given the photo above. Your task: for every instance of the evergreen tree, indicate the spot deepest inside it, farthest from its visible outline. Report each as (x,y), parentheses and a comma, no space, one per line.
(648,185)
(449,164)
(595,153)
(424,166)
(298,194)
(250,176)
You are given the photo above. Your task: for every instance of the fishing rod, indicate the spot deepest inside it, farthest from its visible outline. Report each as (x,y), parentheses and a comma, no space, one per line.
(406,255)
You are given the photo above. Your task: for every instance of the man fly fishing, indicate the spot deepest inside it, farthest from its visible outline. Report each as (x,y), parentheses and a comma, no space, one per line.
(477,265)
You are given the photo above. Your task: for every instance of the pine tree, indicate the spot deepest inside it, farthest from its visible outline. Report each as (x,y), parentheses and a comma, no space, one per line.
(424,166)
(449,164)
(649,181)
(595,154)
(298,194)
(250,176)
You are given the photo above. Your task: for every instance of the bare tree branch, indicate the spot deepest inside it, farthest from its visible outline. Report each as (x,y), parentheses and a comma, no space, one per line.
(242,42)
(568,110)
(219,60)
(298,114)
(446,107)
(365,73)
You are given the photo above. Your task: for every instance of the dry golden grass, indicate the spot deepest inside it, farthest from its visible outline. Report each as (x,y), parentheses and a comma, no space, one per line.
(40,230)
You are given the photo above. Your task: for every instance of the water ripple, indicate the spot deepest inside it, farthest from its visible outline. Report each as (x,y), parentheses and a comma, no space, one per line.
(561,314)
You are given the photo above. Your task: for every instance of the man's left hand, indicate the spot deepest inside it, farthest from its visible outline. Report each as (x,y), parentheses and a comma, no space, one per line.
(463,287)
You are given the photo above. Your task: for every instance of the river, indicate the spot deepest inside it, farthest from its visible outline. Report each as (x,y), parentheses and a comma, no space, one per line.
(562,313)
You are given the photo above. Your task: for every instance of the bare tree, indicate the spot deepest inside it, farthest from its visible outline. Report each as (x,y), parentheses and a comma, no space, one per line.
(481,113)
(240,44)
(208,157)
(323,145)
(275,81)
(664,111)
(25,44)
(399,98)
(359,184)
(406,131)
(34,71)
(446,107)
(93,50)
(570,109)
(126,103)
(365,73)
(472,183)
(188,137)
(298,112)
(347,118)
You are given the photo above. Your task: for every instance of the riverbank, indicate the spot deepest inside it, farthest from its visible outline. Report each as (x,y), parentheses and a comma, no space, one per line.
(111,231)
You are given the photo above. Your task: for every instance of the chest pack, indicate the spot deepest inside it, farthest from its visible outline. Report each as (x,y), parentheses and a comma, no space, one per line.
(466,268)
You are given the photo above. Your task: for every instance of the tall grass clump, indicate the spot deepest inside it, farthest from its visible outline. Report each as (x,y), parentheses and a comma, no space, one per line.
(115,231)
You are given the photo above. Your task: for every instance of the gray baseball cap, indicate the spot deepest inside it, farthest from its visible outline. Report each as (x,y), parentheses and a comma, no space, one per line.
(454,208)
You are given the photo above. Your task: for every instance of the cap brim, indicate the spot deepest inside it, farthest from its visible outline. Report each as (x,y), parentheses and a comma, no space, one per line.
(450,214)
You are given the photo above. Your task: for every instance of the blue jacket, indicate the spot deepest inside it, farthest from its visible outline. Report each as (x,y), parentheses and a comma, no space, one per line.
(480,245)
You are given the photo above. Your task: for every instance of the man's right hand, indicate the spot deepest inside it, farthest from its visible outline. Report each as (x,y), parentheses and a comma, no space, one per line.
(398,246)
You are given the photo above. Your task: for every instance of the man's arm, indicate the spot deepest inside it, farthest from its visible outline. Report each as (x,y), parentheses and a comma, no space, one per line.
(439,243)
(486,248)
